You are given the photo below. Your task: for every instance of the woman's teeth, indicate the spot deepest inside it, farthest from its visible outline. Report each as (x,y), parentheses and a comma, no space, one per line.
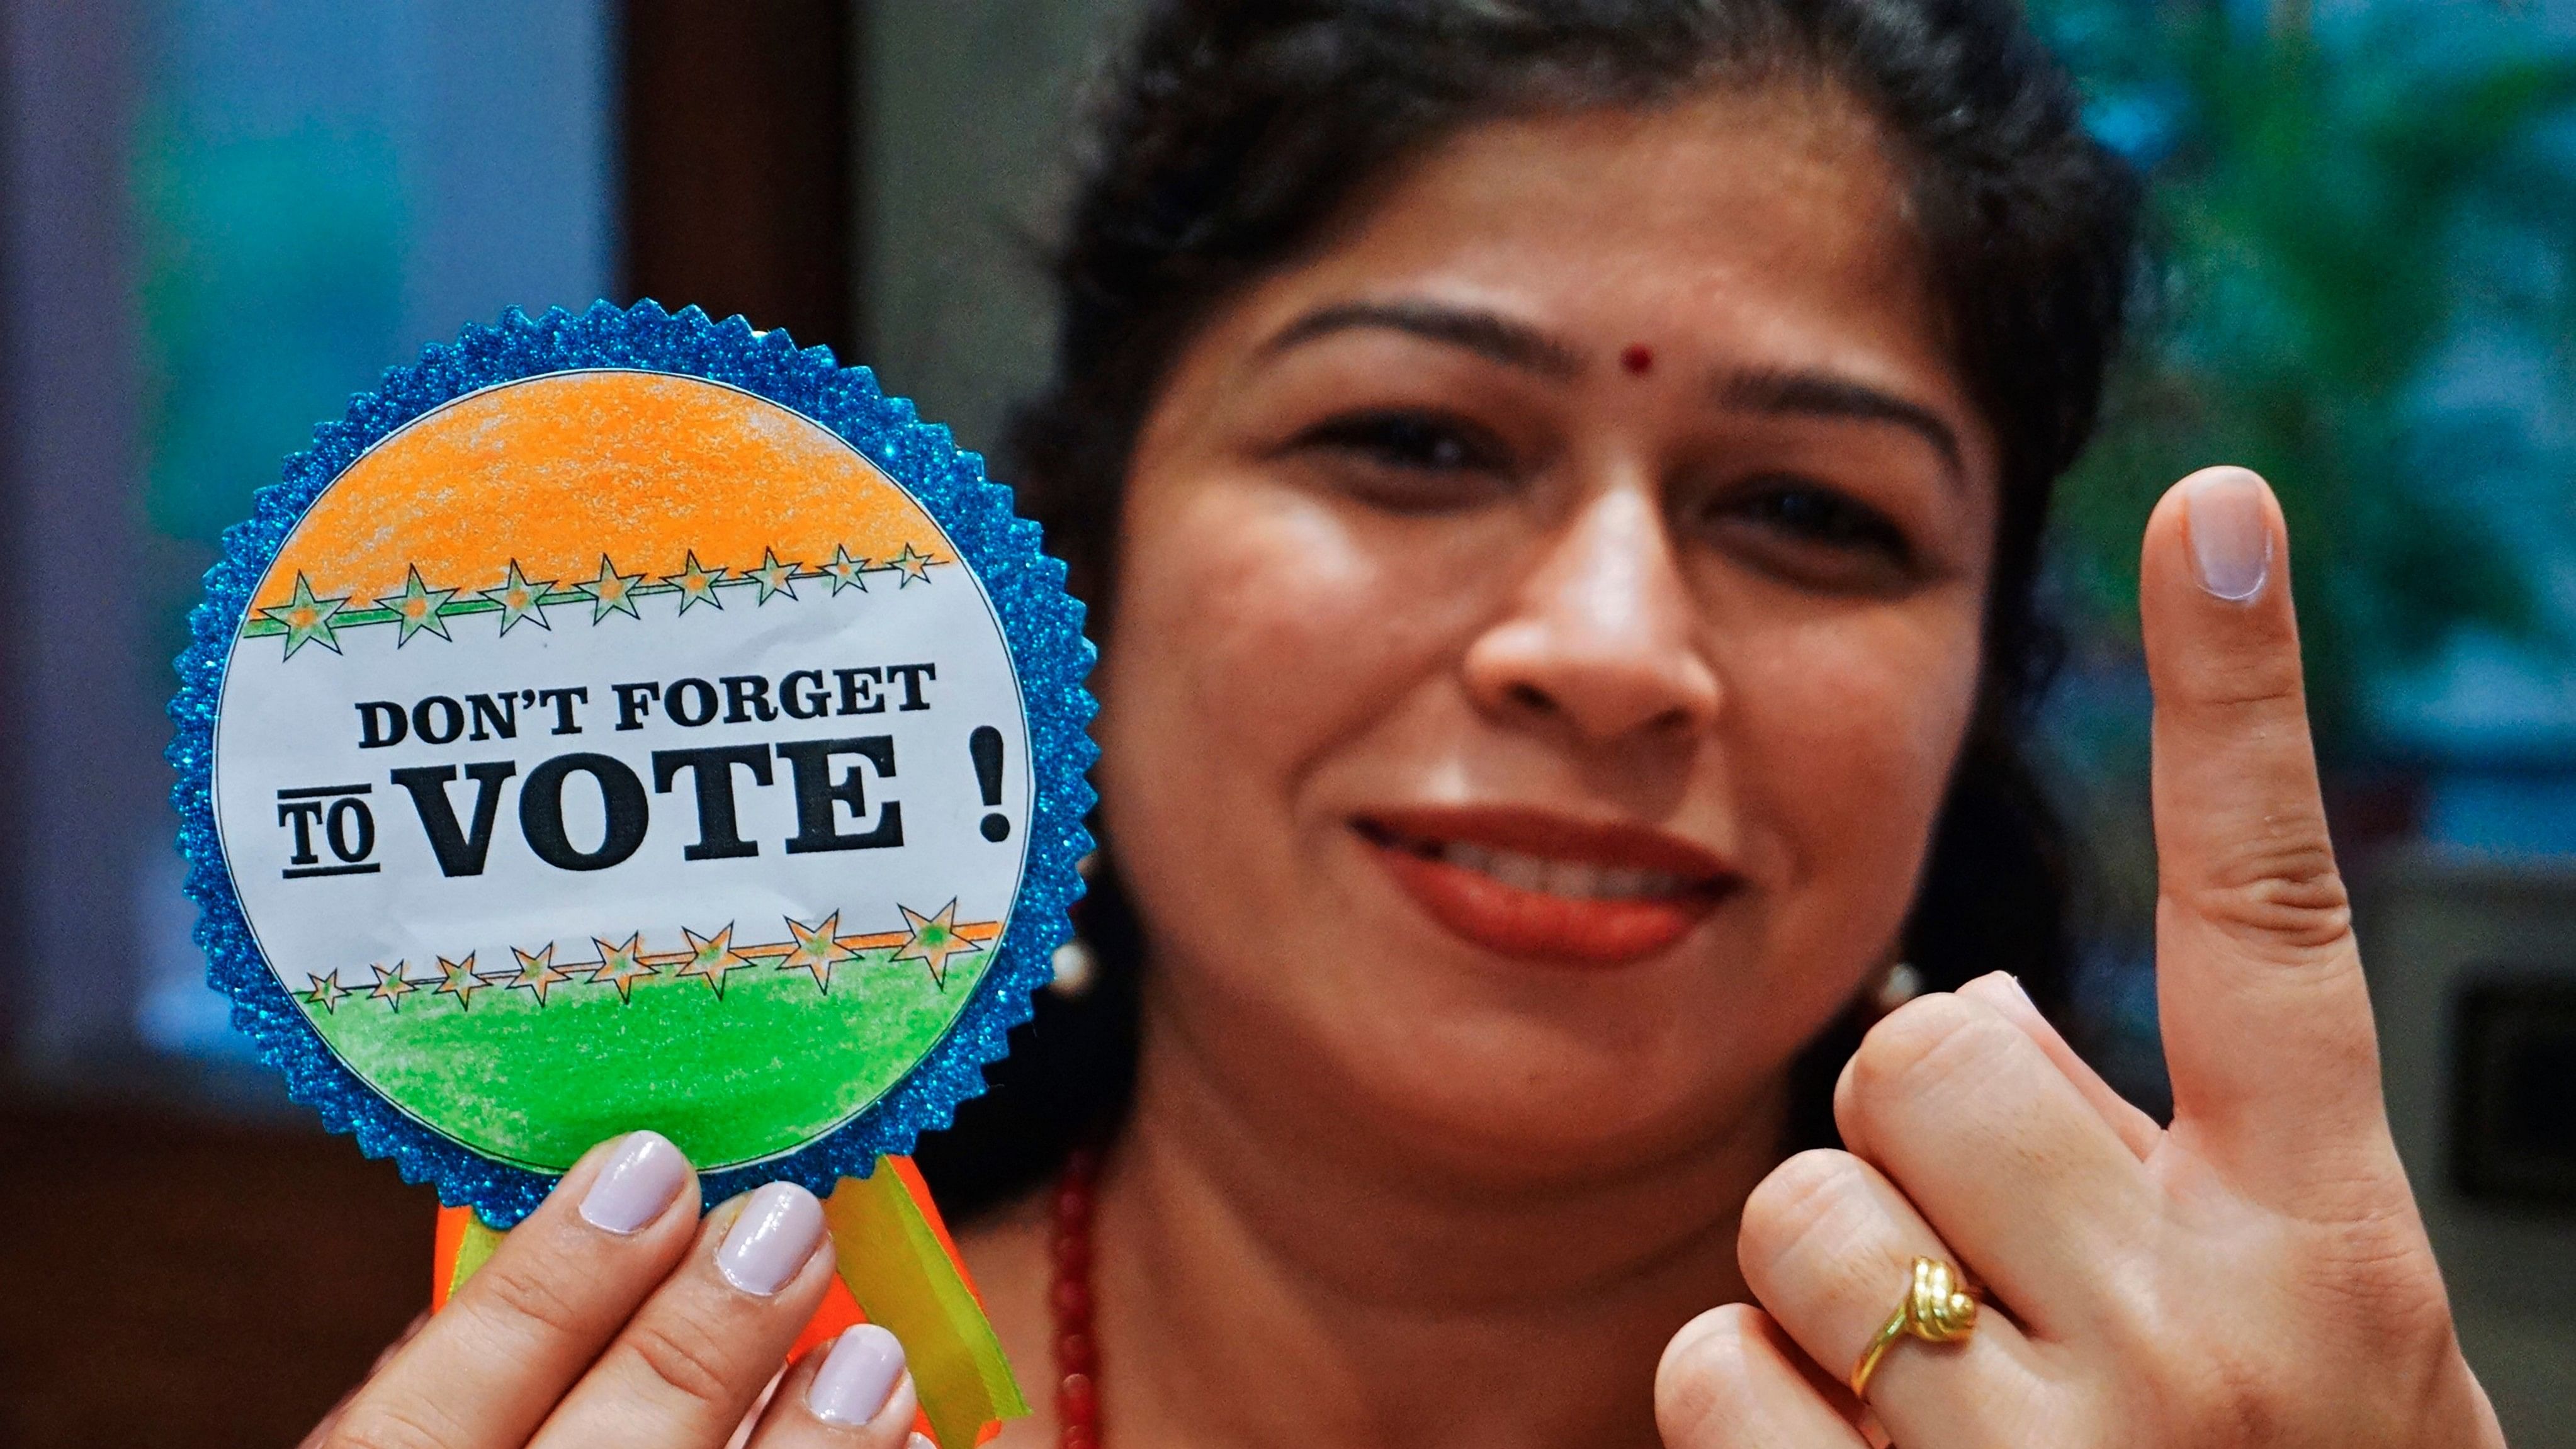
(1561,877)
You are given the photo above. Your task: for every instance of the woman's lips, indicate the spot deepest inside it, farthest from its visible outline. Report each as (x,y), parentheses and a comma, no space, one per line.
(1533,885)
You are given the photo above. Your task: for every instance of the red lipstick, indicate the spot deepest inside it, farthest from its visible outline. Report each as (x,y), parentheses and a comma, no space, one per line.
(1535,885)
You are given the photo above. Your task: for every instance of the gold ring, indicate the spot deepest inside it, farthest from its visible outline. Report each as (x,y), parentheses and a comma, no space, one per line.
(1936,1310)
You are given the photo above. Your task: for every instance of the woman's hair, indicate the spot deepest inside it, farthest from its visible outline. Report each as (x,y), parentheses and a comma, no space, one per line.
(1236,131)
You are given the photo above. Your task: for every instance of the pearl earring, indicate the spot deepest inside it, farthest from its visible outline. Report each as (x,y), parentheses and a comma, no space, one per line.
(1075,969)
(1901,984)
(1075,966)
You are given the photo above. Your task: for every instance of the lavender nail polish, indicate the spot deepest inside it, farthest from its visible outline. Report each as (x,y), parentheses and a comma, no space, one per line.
(857,1378)
(779,1229)
(640,1180)
(2231,533)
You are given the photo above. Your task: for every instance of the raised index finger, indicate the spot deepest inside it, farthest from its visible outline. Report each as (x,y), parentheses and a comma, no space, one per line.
(2266,1020)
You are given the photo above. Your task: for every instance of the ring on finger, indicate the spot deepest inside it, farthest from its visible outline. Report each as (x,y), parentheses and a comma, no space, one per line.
(1936,1309)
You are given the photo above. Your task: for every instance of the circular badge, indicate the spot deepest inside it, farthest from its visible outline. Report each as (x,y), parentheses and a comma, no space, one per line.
(632,721)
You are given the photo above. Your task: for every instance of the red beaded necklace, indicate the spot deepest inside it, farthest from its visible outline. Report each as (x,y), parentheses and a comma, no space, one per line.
(1077,1358)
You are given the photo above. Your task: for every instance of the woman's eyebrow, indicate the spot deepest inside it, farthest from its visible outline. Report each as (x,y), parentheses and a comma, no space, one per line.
(1822,394)
(1514,344)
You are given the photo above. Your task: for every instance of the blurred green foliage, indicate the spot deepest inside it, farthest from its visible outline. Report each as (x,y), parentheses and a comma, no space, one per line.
(2332,210)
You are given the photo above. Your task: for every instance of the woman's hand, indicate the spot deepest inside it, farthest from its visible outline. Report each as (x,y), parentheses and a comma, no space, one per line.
(613,1315)
(2255,1275)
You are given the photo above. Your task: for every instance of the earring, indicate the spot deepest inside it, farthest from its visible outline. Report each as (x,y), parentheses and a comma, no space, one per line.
(1075,969)
(1074,964)
(1901,984)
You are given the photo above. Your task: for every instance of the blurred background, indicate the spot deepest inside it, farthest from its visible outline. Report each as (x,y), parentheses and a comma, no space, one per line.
(220,217)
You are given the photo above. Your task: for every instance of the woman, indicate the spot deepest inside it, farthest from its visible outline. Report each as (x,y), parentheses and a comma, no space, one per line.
(1560,483)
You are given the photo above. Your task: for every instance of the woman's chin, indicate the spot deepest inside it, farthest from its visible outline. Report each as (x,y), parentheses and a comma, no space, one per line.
(1407,1038)
(1488,1146)
(1513,1099)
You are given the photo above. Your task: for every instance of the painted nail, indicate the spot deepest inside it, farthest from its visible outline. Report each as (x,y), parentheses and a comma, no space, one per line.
(857,1378)
(641,1179)
(2231,532)
(779,1229)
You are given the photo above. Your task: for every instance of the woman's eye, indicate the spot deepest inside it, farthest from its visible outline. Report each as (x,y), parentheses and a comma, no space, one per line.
(1411,461)
(1817,534)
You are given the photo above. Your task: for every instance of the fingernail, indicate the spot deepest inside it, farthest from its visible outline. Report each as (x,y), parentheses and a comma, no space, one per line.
(918,1440)
(779,1229)
(857,1378)
(641,1179)
(2231,532)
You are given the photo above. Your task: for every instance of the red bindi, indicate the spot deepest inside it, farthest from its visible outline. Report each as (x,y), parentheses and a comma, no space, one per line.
(1638,358)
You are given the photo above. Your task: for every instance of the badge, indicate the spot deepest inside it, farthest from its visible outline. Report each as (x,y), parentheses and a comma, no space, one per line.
(626,720)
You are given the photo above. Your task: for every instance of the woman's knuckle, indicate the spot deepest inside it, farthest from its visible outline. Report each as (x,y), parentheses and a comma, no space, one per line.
(684,1358)
(1799,1196)
(1926,1041)
(2380,1277)
(2240,1401)
(2287,891)
(2245,692)
(382,1426)
(1809,1210)
(533,1300)
(1707,1373)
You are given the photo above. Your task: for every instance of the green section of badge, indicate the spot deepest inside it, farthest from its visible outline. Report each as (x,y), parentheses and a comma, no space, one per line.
(766,1066)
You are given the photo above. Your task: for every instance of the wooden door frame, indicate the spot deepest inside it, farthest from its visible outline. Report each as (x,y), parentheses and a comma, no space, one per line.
(739,139)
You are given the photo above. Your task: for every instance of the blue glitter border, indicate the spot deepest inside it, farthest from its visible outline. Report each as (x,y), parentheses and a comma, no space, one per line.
(1041,623)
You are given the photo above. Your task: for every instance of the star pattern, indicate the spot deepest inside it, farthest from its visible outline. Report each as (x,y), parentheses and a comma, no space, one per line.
(416,608)
(710,957)
(622,966)
(933,940)
(391,986)
(774,578)
(612,592)
(814,951)
(913,565)
(457,979)
(537,974)
(817,950)
(696,583)
(520,599)
(307,619)
(846,572)
(326,993)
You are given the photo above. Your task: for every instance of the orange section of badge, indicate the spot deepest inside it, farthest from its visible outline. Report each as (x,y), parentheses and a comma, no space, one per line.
(647,468)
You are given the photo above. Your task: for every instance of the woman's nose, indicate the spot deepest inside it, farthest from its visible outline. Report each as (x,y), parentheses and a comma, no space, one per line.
(1601,633)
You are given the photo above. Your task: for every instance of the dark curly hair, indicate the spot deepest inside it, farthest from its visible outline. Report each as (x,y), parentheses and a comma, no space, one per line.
(1233,131)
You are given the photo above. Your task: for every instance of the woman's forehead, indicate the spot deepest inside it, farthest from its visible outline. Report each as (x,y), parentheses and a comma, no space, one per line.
(1780,189)
(1740,232)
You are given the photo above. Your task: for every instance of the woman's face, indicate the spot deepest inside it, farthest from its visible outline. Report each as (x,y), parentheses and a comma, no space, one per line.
(1548,613)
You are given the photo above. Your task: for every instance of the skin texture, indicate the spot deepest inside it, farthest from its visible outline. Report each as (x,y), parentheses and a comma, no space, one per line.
(1609,468)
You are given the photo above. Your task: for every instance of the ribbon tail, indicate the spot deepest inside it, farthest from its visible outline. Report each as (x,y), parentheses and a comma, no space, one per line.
(464,1244)
(902,1266)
